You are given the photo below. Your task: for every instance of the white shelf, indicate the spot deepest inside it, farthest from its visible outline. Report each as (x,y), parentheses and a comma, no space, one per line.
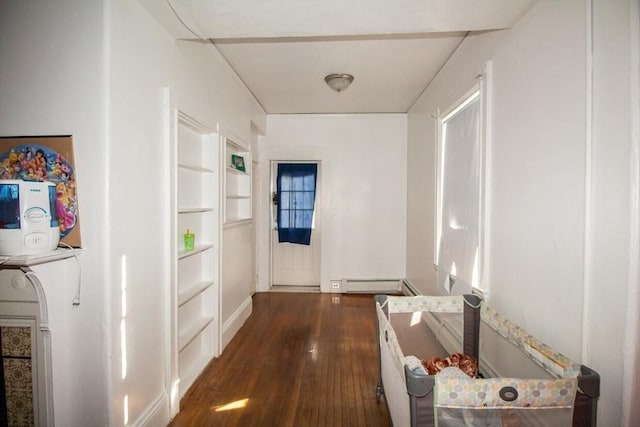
(187,294)
(195,274)
(235,171)
(237,209)
(237,186)
(195,168)
(198,249)
(236,221)
(196,147)
(190,372)
(192,331)
(194,210)
(190,375)
(196,189)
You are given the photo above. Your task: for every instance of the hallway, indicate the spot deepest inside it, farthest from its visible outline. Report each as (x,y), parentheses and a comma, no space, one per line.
(301,359)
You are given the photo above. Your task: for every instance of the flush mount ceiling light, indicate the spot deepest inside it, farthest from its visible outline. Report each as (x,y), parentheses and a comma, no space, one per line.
(339,82)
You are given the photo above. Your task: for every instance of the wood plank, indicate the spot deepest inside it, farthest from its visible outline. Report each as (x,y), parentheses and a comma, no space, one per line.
(301,359)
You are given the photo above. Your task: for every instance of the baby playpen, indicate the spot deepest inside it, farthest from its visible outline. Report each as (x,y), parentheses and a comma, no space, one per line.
(454,361)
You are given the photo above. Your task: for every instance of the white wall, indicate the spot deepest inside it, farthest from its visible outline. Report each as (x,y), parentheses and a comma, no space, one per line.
(363,189)
(140,63)
(609,258)
(537,177)
(144,59)
(96,70)
(237,278)
(558,195)
(52,82)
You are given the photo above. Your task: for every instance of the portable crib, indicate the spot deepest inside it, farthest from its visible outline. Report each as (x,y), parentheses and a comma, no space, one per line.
(521,381)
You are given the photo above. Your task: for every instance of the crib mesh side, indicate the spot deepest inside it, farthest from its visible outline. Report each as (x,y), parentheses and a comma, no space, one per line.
(504,402)
(555,363)
(388,335)
(504,417)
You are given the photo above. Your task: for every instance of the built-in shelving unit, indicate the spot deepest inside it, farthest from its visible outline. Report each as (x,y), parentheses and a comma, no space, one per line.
(197,209)
(237,185)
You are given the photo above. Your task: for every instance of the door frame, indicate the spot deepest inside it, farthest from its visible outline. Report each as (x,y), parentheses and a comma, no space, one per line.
(316,212)
(255,225)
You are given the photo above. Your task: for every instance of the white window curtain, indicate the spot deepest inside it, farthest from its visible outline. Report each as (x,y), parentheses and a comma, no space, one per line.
(460,156)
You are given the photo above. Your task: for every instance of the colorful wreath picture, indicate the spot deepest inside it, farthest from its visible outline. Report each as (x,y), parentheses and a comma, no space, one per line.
(40,163)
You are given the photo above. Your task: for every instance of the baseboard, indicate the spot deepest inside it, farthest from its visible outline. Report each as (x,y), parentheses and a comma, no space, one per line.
(235,322)
(156,414)
(408,288)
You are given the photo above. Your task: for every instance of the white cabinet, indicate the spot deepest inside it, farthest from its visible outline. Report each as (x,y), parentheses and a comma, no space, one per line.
(196,292)
(237,166)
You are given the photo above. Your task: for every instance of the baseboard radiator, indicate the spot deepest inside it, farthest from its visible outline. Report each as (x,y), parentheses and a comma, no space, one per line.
(368,286)
(372,286)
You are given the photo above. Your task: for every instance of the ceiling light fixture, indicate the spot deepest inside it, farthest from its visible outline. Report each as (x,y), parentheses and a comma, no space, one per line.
(339,82)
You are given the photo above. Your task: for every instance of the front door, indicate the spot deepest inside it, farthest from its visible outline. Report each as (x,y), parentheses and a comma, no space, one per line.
(295,263)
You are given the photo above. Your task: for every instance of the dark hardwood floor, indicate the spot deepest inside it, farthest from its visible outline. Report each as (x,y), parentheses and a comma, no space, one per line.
(301,359)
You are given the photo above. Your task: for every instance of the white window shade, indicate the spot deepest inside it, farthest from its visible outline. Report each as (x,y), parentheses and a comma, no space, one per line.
(460,161)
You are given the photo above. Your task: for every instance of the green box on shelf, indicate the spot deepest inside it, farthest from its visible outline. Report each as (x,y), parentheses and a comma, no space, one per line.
(237,162)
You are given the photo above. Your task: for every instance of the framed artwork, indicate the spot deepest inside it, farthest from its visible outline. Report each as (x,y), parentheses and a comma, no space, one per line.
(237,162)
(46,158)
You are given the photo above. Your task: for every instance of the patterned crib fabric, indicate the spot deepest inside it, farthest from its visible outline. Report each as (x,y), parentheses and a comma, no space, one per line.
(551,360)
(450,304)
(458,391)
(459,401)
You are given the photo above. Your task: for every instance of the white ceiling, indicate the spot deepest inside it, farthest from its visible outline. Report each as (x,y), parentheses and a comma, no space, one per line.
(282,49)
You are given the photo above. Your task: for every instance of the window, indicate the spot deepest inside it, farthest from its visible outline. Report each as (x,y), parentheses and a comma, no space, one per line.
(459,206)
(296,189)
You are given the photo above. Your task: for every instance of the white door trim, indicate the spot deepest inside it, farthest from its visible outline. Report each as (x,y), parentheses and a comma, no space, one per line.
(317,217)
